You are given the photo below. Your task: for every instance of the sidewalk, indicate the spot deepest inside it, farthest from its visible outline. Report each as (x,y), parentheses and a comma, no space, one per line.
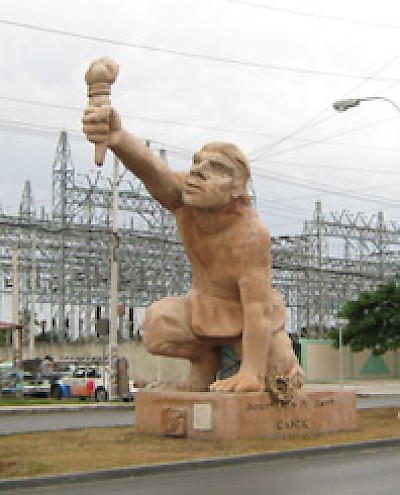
(362,388)
(37,408)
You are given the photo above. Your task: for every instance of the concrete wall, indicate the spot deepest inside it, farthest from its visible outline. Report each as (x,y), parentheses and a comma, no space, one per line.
(320,363)
(319,360)
(141,365)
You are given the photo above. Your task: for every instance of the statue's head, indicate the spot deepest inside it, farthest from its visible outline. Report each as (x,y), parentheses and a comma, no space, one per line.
(219,173)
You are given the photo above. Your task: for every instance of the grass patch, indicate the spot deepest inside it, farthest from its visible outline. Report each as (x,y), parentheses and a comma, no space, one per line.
(38,454)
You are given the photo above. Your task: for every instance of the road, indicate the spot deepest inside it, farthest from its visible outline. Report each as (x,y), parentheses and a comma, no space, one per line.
(21,423)
(378,401)
(358,472)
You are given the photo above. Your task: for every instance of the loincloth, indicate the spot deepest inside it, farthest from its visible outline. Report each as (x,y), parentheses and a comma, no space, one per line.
(212,316)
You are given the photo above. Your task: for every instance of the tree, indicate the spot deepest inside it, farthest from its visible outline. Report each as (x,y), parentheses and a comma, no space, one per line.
(373,321)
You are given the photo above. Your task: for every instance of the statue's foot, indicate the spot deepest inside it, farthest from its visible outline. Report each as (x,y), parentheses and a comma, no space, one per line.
(192,387)
(181,386)
(202,372)
(241,382)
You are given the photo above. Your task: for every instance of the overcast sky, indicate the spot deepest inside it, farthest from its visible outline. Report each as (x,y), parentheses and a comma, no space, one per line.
(261,74)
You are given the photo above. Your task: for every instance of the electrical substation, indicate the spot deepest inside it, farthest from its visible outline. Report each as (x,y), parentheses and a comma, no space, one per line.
(61,258)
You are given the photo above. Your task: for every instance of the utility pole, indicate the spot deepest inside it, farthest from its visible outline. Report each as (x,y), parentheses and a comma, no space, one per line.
(31,348)
(113,332)
(381,243)
(17,336)
(320,310)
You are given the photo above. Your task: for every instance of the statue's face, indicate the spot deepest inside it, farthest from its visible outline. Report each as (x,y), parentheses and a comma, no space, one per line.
(211,181)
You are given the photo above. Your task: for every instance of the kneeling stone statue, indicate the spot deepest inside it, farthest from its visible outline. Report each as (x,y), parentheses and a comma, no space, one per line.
(232,301)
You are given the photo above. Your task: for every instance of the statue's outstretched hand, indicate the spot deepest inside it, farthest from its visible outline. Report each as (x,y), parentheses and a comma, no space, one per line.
(100,123)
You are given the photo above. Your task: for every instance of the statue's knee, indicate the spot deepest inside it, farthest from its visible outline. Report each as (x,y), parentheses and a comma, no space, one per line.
(165,326)
(151,328)
(159,326)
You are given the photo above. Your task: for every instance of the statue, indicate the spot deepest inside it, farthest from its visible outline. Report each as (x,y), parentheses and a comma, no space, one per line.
(232,301)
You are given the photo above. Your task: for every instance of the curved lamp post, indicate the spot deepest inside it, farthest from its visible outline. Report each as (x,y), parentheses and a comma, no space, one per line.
(343,105)
(341,325)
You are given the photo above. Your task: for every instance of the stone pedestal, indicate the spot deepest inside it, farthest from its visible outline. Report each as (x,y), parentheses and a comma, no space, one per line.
(223,416)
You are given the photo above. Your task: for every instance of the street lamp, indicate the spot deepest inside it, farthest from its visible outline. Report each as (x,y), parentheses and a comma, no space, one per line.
(344,105)
(341,325)
(113,333)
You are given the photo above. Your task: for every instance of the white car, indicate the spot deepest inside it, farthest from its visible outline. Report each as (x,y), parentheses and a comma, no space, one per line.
(34,387)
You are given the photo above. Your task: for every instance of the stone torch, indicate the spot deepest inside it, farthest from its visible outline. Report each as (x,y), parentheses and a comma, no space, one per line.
(101,73)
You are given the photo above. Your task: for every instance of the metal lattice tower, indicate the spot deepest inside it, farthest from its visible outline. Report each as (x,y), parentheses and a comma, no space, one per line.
(26,207)
(63,181)
(337,255)
(73,249)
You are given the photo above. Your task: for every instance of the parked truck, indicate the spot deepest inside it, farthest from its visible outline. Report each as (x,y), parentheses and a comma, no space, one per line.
(89,378)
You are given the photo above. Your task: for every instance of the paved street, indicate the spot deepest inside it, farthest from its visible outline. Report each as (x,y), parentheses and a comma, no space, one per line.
(361,472)
(48,421)
(378,401)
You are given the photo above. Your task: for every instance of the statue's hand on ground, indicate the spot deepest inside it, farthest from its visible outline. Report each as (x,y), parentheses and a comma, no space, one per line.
(241,382)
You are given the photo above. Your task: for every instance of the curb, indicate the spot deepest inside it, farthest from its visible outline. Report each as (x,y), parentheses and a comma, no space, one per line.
(377,394)
(7,410)
(130,472)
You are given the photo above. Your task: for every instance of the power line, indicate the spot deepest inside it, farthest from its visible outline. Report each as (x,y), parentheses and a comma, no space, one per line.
(153,120)
(39,130)
(394,149)
(28,128)
(326,138)
(322,115)
(200,126)
(281,209)
(375,171)
(309,124)
(326,188)
(260,173)
(191,55)
(313,15)
(257,154)
(204,127)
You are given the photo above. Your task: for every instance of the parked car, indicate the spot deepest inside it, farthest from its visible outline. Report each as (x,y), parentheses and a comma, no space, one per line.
(11,380)
(35,387)
(17,382)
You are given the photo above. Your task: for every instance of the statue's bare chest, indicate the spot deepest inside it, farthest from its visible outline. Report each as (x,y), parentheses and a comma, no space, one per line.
(211,248)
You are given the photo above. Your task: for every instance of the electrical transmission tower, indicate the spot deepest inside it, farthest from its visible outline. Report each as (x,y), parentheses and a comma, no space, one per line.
(337,255)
